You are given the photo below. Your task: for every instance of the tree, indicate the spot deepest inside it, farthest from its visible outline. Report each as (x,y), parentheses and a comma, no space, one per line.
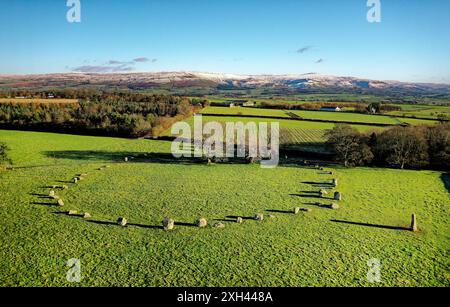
(350,146)
(4,154)
(403,146)
(438,138)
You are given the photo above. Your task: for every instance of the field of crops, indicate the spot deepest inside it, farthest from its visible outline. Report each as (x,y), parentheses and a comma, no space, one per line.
(299,136)
(321,248)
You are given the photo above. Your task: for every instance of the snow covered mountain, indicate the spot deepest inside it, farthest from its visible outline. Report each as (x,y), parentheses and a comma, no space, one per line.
(291,83)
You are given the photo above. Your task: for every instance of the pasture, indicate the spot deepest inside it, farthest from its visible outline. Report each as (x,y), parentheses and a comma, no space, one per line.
(320,248)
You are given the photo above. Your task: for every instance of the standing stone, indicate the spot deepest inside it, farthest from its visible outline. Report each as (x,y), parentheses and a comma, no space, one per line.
(334,206)
(414,223)
(297,210)
(335,182)
(239,220)
(75,180)
(323,193)
(60,203)
(259,217)
(338,196)
(168,224)
(52,193)
(87,216)
(201,223)
(72,212)
(122,221)
(126,159)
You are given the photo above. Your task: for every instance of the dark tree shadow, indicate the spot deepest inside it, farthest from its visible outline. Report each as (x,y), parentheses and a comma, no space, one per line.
(372,225)
(133,157)
(446,179)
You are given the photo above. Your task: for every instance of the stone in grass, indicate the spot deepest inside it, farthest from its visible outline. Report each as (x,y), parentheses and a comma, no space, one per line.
(323,193)
(75,180)
(51,193)
(64,187)
(334,206)
(334,182)
(219,226)
(72,212)
(259,217)
(122,221)
(239,220)
(87,216)
(201,223)
(338,196)
(168,224)
(126,159)
(297,210)
(60,203)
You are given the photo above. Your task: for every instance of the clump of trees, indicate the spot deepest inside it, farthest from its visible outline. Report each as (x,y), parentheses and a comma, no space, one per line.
(351,146)
(118,114)
(425,146)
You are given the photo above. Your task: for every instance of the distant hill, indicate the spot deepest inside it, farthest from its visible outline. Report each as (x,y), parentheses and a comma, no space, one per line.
(289,84)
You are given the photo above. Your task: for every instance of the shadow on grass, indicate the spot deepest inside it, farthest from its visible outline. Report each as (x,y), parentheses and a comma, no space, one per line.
(243,217)
(446,179)
(279,211)
(372,225)
(107,223)
(133,157)
(44,204)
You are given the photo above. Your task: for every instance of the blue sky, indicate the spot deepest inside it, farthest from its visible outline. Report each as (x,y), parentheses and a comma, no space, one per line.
(412,43)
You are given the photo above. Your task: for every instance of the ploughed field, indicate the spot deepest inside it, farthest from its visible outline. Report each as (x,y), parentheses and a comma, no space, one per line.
(320,248)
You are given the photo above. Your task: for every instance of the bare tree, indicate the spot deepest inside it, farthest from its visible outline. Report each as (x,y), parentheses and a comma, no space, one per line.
(350,146)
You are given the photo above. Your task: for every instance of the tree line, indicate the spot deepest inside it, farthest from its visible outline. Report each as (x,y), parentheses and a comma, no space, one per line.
(117,114)
(402,147)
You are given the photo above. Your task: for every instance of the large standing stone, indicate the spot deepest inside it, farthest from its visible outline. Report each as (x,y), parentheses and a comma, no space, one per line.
(122,221)
(72,212)
(51,193)
(168,224)
(335,182)
(201,223)
(414,223)
(60,203)
(297,210)
(75,180)
(87,216)
(338,196)
(239,220)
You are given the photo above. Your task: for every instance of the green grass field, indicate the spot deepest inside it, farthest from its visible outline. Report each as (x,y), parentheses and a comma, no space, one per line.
(310,115)
(309,249)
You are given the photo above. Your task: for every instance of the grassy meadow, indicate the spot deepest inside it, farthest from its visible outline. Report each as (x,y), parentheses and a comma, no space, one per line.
(321,248)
